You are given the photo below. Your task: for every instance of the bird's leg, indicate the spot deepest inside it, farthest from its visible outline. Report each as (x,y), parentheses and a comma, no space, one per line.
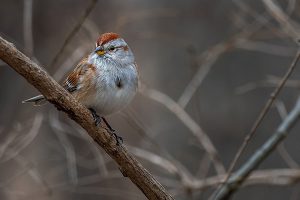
(96,117)
(108,125)
(119,139)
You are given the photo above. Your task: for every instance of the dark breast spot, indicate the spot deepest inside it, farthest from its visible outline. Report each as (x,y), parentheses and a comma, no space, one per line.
(119,83)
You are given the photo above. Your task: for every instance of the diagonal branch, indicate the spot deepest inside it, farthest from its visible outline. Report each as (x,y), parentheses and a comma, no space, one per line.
(76,28)
(188,122)
(236,180)
(64,101)
(263,114)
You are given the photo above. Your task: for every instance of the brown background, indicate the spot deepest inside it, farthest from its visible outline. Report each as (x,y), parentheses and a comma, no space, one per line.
(168,39)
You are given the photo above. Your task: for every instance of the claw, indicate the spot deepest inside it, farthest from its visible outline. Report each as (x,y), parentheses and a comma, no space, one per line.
(96,117)
(119,139)
(108,125)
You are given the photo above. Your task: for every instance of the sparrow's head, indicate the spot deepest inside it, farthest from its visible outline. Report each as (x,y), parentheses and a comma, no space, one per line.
(111,47)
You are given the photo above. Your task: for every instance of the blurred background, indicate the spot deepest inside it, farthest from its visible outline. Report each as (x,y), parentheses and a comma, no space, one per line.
(207,67)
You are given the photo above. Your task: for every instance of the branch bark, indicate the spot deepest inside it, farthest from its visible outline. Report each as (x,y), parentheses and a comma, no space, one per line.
(65,102)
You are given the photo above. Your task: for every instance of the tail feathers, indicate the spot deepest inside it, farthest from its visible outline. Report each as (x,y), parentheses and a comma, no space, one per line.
(37,100)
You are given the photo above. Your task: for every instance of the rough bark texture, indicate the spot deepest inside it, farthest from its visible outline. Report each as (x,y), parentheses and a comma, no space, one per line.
(64,101)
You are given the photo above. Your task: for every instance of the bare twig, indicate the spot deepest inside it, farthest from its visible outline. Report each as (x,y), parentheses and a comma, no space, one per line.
(281,148)
(188,122)
(181,171)
(236,180)
(69,150)
(10,151)
(26,167)
(155,159)
(288,26)
(267,177)
(271,81)
(210,56)
(68,64)
(266,48)
(81,134)
(27,27)
(263,113)
(64,101)
(286,156)
(73,32)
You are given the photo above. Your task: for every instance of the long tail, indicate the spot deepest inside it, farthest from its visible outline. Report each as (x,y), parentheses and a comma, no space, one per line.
(37,100)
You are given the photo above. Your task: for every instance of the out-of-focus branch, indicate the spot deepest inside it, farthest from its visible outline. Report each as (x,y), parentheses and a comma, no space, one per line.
(281,148)
(267,177)
(288,26)
(263,114)
(13,146)
(64,101)
(188,122)
(210,57)
(69,151)
(27,27)
(260,155)
(60,126)
(266,48)
(73,32)
(271,81)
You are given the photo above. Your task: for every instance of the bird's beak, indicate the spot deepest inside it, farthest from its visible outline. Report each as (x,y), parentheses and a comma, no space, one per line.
(100,50)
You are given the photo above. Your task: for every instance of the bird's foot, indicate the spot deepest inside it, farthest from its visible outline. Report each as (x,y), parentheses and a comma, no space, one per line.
(108,125)
(97,120)
(96,117)
(119,139)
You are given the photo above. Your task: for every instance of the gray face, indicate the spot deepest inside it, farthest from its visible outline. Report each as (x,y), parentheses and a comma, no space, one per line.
(116,51)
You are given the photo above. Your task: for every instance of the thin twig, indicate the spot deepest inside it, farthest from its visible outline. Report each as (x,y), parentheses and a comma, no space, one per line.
(155,159)
(188,122)
(281,148)
(267,177)
(263,47)
(263,113)
(210,57)
(68,148)
(76,28)
(27,27)
(181,171)
(237,179)
(285,22)
(271,81)
(14,148)
(79,133)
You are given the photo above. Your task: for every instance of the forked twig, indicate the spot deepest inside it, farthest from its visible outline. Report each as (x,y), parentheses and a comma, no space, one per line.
(260,155)
(260,118)
(188,122)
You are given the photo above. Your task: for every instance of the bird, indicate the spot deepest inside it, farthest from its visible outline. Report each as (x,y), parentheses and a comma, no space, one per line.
(105,81)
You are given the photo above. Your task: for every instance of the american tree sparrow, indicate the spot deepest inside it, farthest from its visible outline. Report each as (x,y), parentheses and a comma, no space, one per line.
(104,81)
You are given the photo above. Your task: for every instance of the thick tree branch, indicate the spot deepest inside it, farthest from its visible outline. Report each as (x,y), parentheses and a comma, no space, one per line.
(64,101)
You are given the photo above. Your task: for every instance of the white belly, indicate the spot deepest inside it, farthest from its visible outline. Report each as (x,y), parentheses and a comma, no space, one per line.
(110,98)
(110,101)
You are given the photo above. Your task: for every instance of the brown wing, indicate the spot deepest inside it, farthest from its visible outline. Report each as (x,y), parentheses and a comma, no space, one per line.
(76,79)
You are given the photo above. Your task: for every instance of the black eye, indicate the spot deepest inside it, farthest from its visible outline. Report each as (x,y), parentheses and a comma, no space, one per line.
(111,48)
